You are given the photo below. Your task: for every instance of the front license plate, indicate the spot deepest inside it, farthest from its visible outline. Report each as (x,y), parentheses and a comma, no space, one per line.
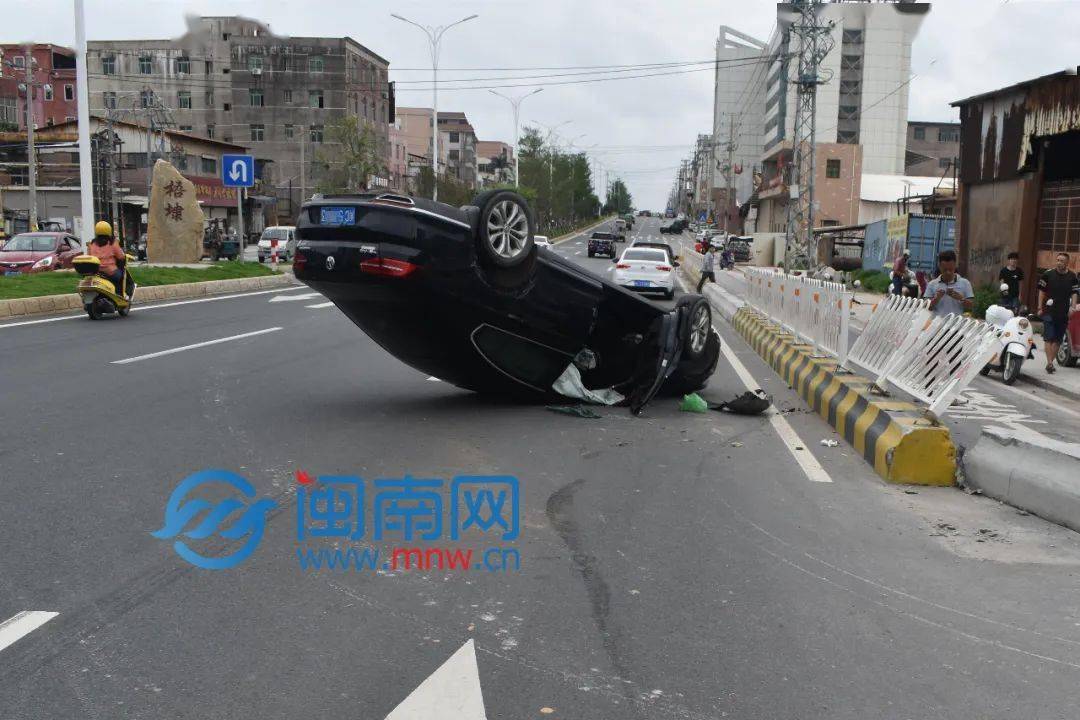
(642,283)
(11,273)
(337,216)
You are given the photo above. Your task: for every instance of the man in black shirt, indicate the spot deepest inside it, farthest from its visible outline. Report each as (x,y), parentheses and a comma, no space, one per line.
(1012,275)
(1057,298)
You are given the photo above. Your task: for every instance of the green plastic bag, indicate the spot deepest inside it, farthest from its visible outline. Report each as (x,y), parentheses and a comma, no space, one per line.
(693,403)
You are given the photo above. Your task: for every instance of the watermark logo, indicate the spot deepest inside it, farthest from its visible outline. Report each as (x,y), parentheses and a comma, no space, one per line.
(403,511)
(250,523)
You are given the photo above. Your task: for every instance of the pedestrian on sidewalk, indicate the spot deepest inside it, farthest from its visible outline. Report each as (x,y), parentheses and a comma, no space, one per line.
(949,293)
(708,265)
(1057,300)
(900,272)
(1012,275)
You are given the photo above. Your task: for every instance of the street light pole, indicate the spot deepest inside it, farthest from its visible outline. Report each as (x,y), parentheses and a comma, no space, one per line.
(434,35)
(86,180)
(516,104)
(31,154)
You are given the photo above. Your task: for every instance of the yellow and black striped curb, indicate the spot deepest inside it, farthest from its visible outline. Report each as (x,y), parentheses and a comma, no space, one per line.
(902,445)
(146,293)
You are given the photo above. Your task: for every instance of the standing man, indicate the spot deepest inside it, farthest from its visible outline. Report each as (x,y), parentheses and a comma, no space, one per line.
(900,272)
(708,264)
(1057,300)
(949,293)
(1012,275)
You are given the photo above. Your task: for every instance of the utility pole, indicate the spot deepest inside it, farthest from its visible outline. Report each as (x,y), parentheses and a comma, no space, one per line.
(303,179)
(31,152)
(729,199)
(815,42)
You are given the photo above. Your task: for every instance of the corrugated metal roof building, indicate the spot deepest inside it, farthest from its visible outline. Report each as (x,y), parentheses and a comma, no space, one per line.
(1020,177)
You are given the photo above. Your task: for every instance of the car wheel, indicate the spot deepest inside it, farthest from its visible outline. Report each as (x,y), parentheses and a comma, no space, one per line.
(505,233)
(591,253)
(985,370)
(262,259)
(1065,356)
(697,324)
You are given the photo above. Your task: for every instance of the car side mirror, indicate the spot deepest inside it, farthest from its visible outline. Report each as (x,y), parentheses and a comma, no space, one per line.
(614,260)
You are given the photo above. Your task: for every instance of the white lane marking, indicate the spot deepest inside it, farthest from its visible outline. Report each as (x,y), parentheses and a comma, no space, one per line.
(22,624)
(452,692)
(432,378)
(798,449)
(578,252)
(611,269)
(139,308)
(291,298)
(172,351)
(321,305)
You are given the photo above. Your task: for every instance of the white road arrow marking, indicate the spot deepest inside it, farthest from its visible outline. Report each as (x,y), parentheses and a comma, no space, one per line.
(321,305)
(27,622)
(450,693)
(239,170)
(290,298)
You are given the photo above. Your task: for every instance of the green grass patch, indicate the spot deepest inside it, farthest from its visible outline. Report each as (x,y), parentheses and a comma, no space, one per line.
(62,282)
(873,281)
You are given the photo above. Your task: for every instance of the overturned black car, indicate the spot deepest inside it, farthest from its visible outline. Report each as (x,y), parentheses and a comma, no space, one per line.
(464,295)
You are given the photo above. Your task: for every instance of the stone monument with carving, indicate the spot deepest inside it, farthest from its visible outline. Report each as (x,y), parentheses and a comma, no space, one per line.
(175,225)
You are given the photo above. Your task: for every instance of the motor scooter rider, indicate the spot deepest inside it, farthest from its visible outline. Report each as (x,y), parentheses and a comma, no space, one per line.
(727,259)
(107,251)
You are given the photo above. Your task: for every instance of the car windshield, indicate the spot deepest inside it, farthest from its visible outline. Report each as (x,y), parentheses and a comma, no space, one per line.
(29,242)
(275,234)
(602,236)
(645,255)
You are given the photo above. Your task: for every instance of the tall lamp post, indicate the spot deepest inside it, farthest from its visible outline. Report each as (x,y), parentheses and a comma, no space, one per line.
(516,104)
(434,35)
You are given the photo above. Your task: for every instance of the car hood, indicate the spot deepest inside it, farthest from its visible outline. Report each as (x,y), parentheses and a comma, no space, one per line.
(22,256)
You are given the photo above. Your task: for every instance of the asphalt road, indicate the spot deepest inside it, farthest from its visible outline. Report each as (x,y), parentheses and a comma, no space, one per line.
(673,565)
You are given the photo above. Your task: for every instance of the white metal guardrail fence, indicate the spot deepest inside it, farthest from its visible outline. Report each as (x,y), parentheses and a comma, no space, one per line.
(931,359)
(942,360)
(895,323)
(814,311)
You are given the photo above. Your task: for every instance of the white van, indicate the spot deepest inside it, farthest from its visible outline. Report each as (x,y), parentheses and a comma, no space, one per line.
(286,242)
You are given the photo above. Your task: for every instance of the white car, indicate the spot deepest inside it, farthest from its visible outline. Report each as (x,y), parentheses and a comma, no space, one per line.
(541,241)
(286,243)
(646,270)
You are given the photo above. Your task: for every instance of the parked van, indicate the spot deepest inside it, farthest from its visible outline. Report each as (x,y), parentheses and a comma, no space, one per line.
(285,235)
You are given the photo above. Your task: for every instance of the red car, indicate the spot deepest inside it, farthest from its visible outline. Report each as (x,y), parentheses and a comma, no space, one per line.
(38,252)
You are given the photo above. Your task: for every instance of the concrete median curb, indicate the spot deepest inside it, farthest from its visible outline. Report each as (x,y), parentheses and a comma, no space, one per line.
(47,304)
(1029,471)
(893,436)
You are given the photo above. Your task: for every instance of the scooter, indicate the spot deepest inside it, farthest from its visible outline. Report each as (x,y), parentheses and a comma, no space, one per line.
(908,288)
(1016,339)
(99,294)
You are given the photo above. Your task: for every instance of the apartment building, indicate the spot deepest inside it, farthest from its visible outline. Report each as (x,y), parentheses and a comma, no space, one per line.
(53,77)
(457,147)
(231,79)
(494,162)
(932,148)
(864,101)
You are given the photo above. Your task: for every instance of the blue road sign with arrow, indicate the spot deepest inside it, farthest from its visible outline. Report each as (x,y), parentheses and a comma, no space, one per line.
(237,170)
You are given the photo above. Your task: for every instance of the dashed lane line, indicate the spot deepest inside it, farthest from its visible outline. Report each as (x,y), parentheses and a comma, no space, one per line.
(17,627)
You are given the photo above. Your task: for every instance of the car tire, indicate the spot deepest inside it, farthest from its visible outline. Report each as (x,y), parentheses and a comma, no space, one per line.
(592,254)
(696,325)
(505,228)
(262,259)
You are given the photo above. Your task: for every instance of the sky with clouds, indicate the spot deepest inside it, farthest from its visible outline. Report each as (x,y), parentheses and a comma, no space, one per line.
(965,47)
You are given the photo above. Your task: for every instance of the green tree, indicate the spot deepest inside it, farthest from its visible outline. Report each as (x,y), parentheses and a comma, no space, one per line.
(351,158)
(619,199)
